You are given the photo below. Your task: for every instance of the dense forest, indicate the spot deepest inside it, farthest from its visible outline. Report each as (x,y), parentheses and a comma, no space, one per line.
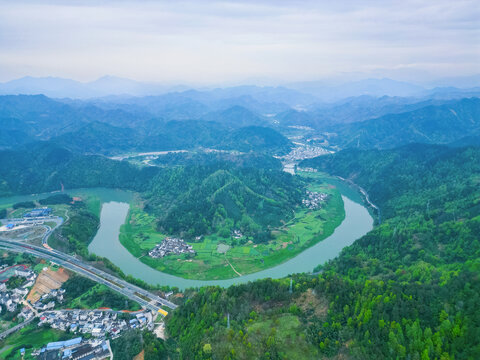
(209,158)
(246,191)
(197,200)
(408,290)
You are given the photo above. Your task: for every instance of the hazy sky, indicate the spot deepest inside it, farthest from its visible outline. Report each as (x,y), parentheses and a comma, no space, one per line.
(227,41)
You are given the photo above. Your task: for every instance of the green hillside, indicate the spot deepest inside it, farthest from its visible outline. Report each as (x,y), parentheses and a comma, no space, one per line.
(257,138)
(441,124)
(198,200)
(407,290)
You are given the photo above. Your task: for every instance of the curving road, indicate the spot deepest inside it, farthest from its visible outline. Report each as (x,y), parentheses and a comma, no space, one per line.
(145,298)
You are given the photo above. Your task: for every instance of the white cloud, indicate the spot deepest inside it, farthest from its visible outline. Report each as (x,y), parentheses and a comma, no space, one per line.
(216,41)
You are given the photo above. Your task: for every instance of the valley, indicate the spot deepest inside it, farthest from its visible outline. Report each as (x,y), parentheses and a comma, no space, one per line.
(242,233)
(239,180)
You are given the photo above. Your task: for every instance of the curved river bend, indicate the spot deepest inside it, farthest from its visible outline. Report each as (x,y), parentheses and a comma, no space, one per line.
(106,243)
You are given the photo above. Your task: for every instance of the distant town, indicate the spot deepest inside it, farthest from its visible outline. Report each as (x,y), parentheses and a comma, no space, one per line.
(302,152)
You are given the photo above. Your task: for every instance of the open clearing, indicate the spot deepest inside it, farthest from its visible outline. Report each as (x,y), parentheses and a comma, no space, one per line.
(47,280)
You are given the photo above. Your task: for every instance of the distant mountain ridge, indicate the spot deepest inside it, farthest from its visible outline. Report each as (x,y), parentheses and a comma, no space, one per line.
(67,88)
(88,129)
(432,124)
(290,94)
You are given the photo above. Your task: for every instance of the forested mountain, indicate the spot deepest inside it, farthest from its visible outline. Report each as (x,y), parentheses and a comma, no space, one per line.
(251,159)
(235,116)
(247,194)
(43,166)
(42,117)
(101,138)
(198,200)
(331,116)
(432,124)
(257,138)
(92,130)
(407,290)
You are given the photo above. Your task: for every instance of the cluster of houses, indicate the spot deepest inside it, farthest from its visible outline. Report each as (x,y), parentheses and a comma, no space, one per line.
(314,200)
(305,152)
(237,234)
(171,245)
(98,323)
(307,169)
(12,298)
(47,301)
(75,349)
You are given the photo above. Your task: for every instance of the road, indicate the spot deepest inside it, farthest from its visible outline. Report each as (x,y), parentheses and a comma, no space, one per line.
(365,194)
(40,222)
(129,290)
(4,334)
(145,298)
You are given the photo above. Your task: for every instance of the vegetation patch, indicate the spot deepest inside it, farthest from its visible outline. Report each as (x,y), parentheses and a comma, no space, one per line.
(30,337)
(244,255)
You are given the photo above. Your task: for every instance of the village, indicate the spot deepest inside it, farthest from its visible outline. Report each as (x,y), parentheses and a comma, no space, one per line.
(12,298)
(74,349)
(98,323)
(169,246)
(96,326)
(302,152)
(314,200)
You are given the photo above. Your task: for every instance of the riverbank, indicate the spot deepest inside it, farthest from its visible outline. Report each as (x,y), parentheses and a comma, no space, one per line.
(243,255)
(357,223)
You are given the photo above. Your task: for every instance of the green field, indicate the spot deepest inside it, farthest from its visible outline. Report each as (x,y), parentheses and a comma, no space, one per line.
(30,337)
(308,227)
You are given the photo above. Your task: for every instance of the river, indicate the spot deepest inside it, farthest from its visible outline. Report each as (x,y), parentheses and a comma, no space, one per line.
(106,243)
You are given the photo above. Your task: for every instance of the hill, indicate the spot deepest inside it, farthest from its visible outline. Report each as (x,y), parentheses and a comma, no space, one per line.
(407,290)
(257,138)
(185,199)
(199,200)
(431,124)
(250,159)
(235,116)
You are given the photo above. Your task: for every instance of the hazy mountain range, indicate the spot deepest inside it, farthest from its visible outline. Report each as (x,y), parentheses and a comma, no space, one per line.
(295,94)
(111,115)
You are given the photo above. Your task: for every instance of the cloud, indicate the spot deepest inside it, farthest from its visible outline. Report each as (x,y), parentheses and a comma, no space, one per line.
(218,41)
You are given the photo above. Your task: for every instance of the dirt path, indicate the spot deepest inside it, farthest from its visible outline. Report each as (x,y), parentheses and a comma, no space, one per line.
(229,263)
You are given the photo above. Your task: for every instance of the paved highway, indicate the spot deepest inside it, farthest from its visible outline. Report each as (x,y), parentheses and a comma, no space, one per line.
(143,297)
